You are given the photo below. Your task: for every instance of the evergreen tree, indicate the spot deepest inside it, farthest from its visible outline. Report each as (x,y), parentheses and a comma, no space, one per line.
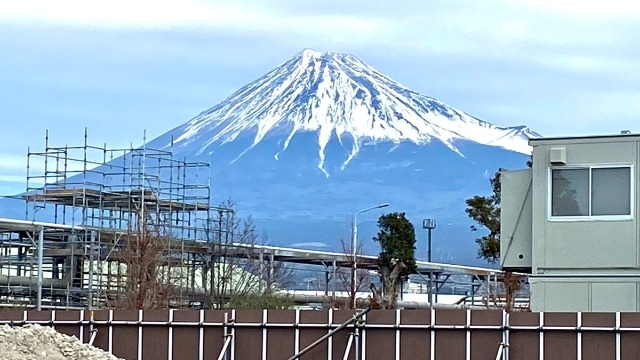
(485,210)
(397,238)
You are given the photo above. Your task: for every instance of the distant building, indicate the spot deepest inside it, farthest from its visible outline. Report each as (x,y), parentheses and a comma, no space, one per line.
(572,222)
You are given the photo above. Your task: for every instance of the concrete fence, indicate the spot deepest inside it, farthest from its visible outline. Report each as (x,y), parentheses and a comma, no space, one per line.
(378,335)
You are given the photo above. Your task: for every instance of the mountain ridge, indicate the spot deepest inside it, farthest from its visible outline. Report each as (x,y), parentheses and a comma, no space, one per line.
(338,96)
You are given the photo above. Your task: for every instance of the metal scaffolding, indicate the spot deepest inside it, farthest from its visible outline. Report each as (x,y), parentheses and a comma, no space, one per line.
(101,196)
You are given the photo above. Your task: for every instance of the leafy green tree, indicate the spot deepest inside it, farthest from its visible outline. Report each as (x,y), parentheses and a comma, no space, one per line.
(397,238)
(485,210)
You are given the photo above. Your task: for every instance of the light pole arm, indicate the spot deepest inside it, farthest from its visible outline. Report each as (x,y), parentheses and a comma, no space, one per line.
(371,208)
(354,245)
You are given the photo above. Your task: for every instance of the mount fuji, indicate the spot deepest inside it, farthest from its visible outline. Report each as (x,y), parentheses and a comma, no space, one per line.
(336,97)
(323,135)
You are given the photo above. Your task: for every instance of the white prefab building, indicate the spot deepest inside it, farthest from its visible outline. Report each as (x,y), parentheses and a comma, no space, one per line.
(572,222)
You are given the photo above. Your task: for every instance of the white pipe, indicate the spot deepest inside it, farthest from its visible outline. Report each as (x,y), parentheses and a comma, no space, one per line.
(348,349)
(598,275)
(36,224)
(40,261)
(57,284)
(93,336)
(223,352)
(91,249)
(499,354)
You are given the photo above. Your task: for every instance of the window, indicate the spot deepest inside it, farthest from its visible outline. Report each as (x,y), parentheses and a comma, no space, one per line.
(580,192)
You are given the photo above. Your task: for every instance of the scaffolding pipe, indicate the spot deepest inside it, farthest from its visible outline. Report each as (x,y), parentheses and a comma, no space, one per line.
(500,351)
(331,333)
(40,261)
(94,332)
(223,352)
(91,246)
(348,349)
(228,336)
(356,336)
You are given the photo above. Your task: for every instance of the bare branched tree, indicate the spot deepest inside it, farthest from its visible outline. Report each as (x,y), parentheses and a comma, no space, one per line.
(143,258)
(237,273)
(512,283)
(343,274)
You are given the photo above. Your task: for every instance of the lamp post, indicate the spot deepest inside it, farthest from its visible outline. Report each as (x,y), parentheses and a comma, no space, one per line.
(429,224)
(354,237)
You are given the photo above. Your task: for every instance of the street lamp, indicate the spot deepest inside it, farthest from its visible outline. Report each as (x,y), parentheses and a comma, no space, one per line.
(429,224)
(354,237)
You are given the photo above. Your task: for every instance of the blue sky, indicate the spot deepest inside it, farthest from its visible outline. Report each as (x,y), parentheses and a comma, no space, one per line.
(120,67)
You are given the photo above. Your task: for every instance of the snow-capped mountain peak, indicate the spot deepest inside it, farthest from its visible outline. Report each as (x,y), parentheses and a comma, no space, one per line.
(338,95)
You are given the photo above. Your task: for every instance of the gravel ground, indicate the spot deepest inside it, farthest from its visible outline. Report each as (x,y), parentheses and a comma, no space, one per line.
(35,342)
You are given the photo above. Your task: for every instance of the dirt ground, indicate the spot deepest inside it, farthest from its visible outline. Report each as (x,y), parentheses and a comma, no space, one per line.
(35,342)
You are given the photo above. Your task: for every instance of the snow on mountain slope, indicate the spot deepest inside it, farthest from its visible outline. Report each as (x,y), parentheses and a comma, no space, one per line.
(339,95)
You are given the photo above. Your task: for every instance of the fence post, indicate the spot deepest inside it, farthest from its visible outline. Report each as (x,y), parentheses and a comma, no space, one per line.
(362,338)
(201,336)
(296,345)
(233,334)
(432,348)
(398,334)
(111,331)
(140,314)
(579,335)
(170,348)
(264,334)
(541,342)
(467,325)
(330,340)
(81,337)
(618,350)
(506,317)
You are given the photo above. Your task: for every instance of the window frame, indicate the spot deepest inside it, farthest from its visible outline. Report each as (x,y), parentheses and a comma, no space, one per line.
(590,167)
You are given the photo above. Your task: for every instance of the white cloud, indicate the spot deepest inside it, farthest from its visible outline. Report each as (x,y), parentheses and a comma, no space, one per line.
(588,8)
(239,15)
(12,163)
(493,29)
(12,178)
(120,13)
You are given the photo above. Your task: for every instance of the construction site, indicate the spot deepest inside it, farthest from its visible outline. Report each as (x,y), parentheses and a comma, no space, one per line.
(101,226)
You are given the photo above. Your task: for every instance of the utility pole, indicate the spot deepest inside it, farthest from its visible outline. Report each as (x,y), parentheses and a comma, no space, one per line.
(429,224)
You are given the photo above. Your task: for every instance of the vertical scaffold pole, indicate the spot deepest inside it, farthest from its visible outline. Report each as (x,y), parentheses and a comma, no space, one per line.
(40,261)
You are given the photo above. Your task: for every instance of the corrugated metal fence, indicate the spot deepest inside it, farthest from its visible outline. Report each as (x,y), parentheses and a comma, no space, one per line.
(381,334)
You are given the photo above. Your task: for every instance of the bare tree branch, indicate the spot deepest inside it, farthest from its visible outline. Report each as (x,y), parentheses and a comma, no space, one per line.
(363,277)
